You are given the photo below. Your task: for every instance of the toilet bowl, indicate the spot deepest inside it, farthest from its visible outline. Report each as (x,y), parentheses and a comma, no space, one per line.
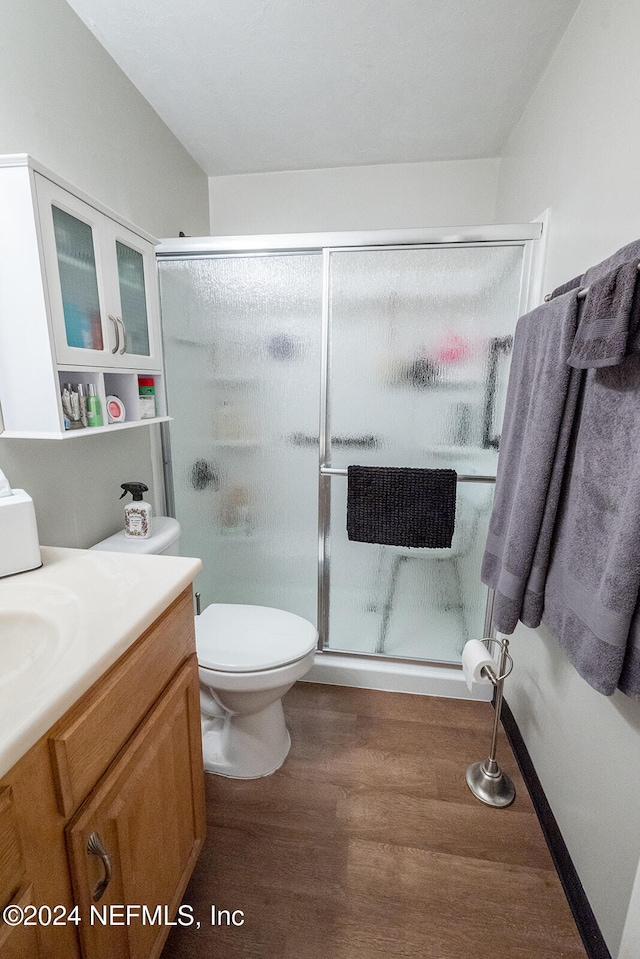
(248,657)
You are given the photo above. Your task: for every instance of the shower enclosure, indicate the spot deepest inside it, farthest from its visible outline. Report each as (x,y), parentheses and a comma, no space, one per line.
(288,358)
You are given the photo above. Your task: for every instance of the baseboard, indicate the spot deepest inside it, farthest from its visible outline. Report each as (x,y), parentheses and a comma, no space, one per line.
(589,930)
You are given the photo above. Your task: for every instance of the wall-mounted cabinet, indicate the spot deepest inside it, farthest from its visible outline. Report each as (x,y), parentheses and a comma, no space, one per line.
(78,303)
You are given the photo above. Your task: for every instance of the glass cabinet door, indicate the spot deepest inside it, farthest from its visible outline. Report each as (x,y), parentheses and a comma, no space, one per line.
(135,297)
(102,285)
(75,252)
(74,274)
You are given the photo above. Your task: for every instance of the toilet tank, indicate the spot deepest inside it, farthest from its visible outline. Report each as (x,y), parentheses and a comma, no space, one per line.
(164,539)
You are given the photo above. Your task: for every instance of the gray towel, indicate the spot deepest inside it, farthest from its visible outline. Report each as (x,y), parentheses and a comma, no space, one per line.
(629,682)
(624,255)
(607,319)
(401,506)
(593,582)
(567,287)
(540,405)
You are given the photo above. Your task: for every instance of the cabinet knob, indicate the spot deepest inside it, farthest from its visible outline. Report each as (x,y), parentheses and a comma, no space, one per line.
(95,847)
(117,329)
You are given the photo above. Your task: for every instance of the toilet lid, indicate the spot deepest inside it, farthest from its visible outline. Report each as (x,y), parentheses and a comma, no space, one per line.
(241,639)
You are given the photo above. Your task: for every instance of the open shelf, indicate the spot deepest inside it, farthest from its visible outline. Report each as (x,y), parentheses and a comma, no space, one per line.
(123,384)
(85,431)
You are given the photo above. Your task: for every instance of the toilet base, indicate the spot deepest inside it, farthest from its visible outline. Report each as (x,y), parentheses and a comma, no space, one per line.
(246,747)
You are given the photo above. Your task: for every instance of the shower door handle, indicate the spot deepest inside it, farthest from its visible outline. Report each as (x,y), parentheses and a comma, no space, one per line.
(498,346)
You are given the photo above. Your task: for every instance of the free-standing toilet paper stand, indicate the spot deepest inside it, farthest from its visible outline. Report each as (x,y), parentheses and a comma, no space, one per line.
(485,779)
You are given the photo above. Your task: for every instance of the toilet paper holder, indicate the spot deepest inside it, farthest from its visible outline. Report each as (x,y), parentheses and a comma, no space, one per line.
(504,650)
(485,779)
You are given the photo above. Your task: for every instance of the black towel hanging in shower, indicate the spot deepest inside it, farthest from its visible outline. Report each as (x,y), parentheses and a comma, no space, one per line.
(401,506)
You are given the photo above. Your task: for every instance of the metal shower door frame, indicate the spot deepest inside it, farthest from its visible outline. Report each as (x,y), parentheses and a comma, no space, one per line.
(327,244)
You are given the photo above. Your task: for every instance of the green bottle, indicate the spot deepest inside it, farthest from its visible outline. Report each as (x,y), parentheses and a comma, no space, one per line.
(94,410)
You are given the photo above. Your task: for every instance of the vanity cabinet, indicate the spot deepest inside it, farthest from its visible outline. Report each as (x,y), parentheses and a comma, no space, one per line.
(107,809)
(79,303)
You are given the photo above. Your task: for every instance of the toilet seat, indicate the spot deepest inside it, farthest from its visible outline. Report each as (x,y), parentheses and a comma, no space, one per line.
(236,638)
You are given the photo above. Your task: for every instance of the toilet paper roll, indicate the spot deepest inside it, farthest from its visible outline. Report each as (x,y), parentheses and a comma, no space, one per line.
(475,656)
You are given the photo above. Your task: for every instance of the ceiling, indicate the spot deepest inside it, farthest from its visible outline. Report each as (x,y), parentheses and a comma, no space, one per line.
(253,86)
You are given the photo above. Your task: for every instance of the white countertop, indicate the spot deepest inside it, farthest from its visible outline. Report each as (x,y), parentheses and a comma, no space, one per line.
(93,605)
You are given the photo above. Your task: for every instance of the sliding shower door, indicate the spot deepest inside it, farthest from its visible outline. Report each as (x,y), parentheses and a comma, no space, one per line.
(283,369)
(242,355)
(418,347)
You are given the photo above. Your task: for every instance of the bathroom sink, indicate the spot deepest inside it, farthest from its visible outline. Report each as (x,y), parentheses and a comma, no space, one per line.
(63,625)
(36,629)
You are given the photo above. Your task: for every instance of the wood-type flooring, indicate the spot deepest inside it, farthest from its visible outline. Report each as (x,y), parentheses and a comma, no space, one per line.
(368,844)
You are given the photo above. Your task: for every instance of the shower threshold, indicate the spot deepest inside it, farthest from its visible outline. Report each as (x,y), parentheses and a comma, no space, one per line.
(421,679)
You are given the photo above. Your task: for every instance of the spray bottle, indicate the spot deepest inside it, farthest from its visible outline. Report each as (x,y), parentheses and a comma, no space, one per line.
(137,515)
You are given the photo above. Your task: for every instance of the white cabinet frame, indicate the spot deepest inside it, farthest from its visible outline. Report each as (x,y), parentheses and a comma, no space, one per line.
(35,358)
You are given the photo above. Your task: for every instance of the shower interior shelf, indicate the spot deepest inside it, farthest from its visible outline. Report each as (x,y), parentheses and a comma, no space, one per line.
(232,379)
(239,444)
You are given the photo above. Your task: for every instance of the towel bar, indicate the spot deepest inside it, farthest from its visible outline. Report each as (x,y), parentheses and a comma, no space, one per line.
(582,293)
(462,478)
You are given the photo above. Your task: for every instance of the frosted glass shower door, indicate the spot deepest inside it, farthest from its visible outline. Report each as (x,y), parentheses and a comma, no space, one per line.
(242,351)
(419,344)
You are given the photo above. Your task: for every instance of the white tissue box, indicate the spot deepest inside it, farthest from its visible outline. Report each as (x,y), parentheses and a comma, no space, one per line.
(19,546)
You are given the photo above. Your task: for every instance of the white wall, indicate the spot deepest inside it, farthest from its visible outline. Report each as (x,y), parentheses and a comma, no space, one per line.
(576,146)
(388,196)
(631,934)
(65,102)
(576,151)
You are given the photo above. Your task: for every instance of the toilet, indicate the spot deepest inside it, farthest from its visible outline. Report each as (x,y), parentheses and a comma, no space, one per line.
(164,539)
(248,657)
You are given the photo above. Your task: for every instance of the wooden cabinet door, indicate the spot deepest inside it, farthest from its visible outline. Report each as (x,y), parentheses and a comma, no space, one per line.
(22,941)
(147,813)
